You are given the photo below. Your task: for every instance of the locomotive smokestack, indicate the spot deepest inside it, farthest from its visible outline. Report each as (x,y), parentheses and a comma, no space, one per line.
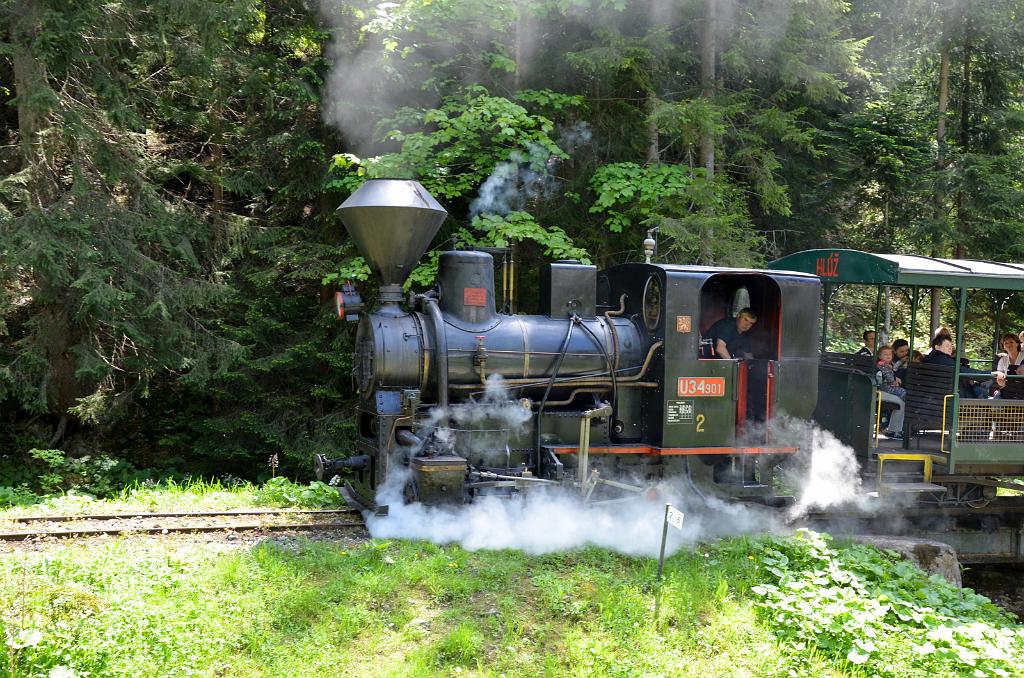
(392,222)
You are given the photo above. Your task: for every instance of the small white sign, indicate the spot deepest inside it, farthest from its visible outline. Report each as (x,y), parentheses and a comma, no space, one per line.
(674,517)
(679,412)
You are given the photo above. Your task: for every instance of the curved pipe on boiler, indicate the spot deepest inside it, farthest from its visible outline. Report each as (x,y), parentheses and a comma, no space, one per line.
(441,357)
(407,438)
(611,326)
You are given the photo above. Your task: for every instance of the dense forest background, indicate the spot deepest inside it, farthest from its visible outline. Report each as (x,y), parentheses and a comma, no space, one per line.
(169,171)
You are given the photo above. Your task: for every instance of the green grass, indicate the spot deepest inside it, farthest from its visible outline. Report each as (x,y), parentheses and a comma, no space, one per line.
(197,494)
(414,609)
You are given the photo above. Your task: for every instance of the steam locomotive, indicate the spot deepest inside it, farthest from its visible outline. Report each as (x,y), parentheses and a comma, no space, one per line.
(603,392)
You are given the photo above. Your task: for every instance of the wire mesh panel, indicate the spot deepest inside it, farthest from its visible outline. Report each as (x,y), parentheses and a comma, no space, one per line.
(990,421)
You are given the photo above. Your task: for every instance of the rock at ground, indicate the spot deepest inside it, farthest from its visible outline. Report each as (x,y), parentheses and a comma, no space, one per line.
(934,557)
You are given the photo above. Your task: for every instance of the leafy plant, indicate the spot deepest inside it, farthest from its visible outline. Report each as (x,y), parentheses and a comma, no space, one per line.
(451,149)
(867,606)
(704,220)
(280,491)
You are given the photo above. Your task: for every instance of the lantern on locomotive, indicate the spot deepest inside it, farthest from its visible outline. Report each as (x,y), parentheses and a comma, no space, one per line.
(602,391)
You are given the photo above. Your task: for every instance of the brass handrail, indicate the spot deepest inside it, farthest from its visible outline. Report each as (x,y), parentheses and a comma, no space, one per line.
(942,438)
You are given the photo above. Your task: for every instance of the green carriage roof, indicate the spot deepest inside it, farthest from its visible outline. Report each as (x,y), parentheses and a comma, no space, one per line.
(852,267)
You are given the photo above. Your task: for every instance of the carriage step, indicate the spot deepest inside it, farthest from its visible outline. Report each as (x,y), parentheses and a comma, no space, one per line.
(885,488)
(927,461)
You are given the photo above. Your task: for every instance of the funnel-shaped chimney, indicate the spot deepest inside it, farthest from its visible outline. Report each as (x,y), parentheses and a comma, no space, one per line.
(392,222)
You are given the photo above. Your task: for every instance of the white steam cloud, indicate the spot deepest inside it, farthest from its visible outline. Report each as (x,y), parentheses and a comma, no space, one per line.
(556,518)
(824,473)
(832,477)
(513,184)
(527,176)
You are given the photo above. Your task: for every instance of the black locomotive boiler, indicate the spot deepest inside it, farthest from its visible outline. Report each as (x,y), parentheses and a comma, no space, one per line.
(604,391)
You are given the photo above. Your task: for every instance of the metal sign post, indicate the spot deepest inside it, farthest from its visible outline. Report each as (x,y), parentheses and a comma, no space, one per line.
(673,517)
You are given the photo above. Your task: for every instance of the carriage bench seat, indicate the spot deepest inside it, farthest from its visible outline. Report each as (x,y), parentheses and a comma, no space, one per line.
(1014,389)
(862,363)
(927,387)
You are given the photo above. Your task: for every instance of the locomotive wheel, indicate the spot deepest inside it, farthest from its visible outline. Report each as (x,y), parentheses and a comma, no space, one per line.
(972,495)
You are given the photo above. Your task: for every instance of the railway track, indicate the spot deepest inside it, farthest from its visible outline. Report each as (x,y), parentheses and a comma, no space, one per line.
(13,528)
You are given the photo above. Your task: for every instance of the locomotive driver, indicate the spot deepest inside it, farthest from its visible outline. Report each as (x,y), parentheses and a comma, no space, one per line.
(728,336)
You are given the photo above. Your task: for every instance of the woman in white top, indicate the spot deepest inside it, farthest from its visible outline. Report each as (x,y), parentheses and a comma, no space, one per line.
(1013,356)
(1011,361)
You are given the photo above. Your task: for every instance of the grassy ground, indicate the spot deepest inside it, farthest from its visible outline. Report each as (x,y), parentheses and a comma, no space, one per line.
(197,494)
(796,606)
(381,609)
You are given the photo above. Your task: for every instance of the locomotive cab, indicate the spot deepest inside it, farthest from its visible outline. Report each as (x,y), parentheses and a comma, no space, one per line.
(723,296)
(714,410)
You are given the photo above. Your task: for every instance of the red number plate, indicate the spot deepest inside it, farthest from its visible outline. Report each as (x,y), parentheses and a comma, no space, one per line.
(707,387)
(474,296)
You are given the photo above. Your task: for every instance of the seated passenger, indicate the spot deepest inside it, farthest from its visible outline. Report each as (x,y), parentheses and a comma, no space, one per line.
(890,391)
(726,338)
(869,343)
(1009,362)
(900,359)
(942,354)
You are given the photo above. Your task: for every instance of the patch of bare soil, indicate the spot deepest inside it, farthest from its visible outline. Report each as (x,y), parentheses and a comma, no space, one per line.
(1002,584)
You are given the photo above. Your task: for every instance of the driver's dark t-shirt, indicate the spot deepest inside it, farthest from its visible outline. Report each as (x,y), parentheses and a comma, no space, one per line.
(725,329)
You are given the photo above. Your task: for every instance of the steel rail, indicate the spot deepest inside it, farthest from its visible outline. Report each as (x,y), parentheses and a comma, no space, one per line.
(21,536)
(190,514)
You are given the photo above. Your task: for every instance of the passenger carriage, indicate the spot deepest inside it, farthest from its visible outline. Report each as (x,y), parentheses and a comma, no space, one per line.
(955,449)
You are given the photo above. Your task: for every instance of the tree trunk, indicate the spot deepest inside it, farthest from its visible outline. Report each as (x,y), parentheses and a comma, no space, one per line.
(653,136)
(218,221)
(965,139)
(524,28)
(940,161)
(707,85)
(33,114)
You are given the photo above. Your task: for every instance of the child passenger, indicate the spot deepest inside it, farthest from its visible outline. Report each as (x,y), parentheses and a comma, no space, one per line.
(890,391)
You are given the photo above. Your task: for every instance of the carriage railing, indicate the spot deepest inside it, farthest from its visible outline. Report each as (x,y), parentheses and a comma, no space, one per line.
(985,421)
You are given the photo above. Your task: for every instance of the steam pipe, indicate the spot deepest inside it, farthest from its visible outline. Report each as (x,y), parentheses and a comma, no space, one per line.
(551,382)
(611,326)
(440,357)
(576,392)
(607,359)
(407,438)
(504,282)
(595,380)
(511,279)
